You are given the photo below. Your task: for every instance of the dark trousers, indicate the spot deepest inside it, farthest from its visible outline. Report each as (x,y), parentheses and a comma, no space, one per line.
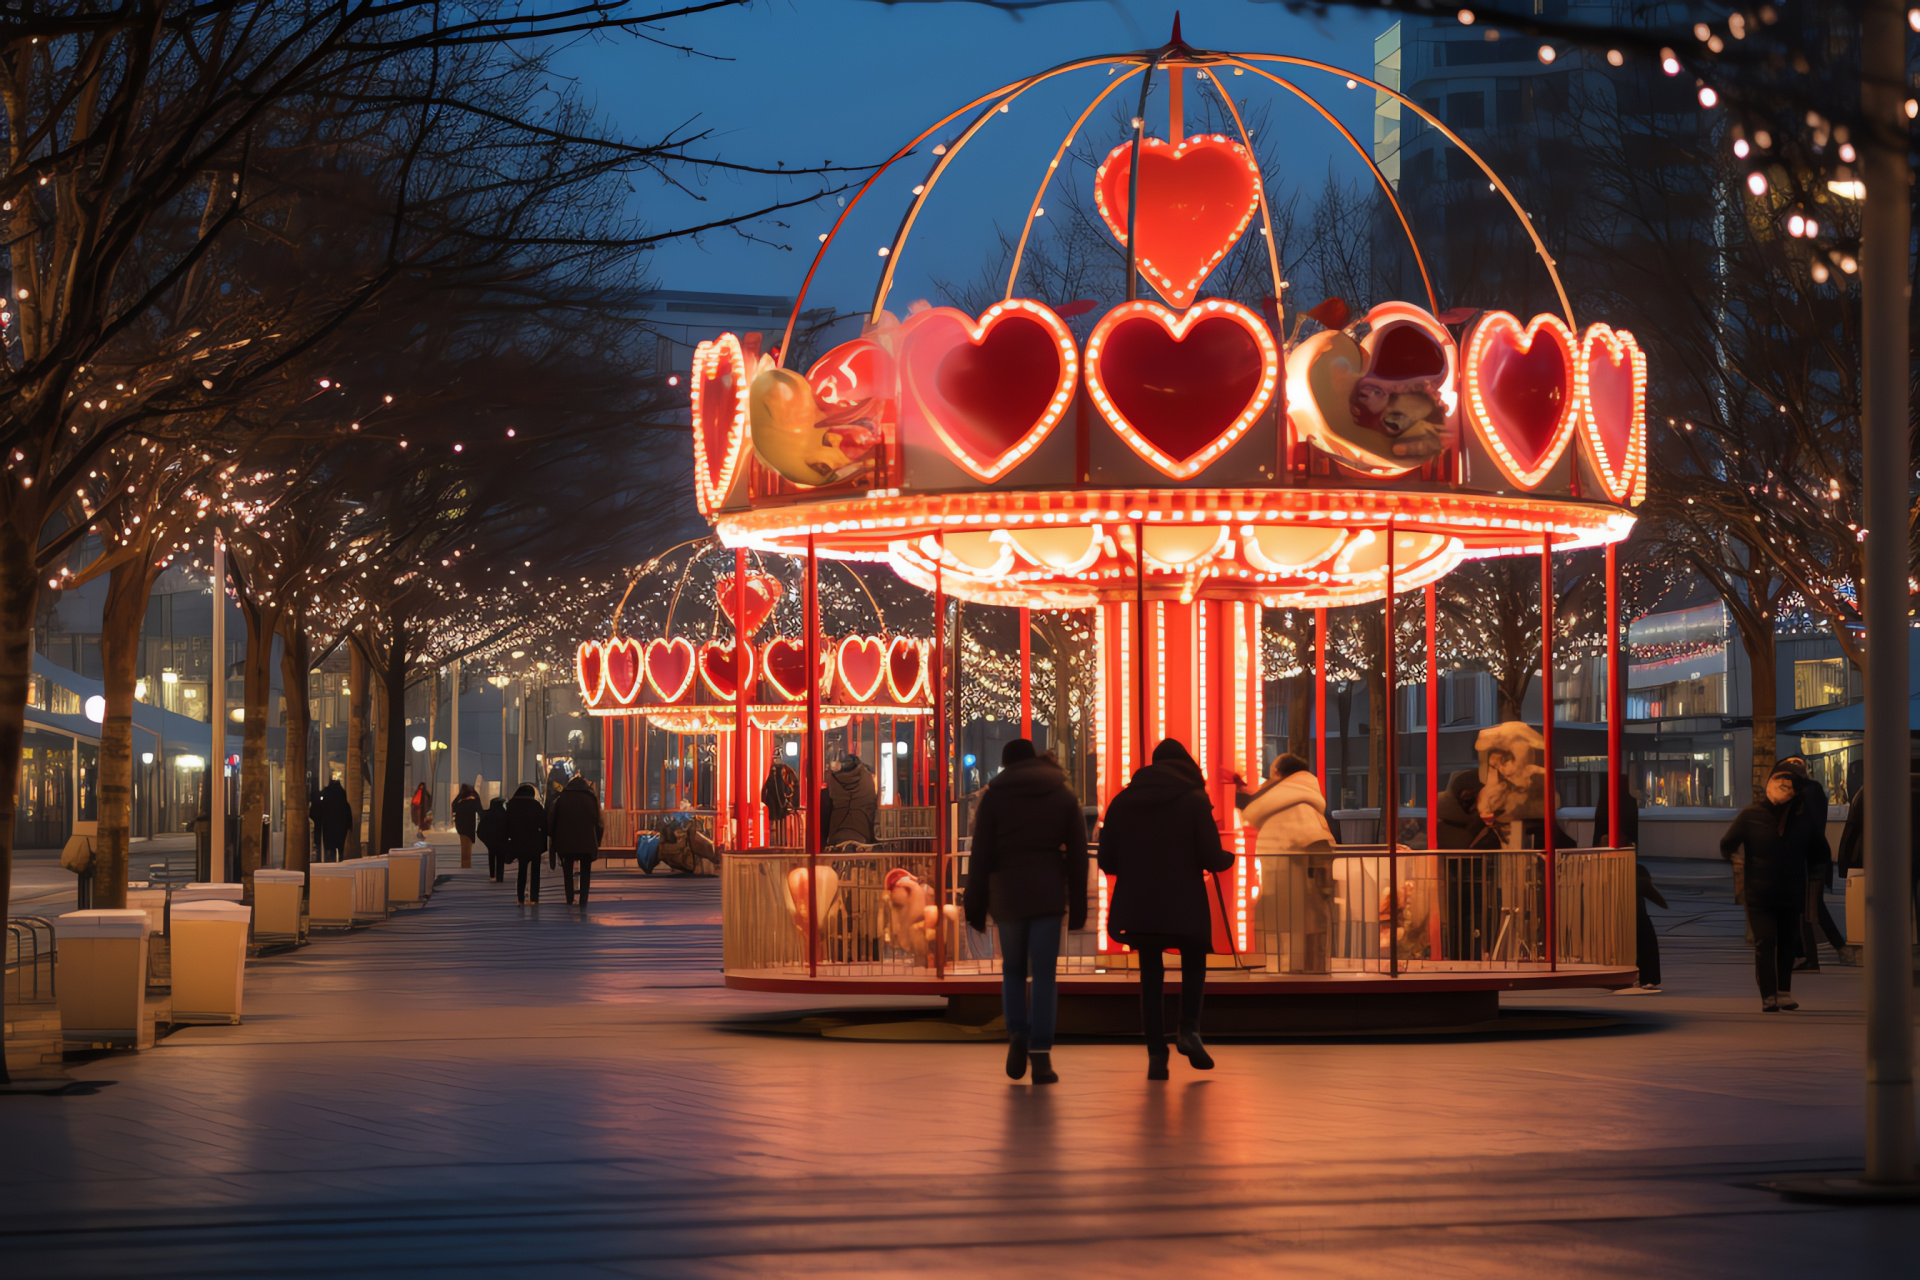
(496,864)
(1030,948)
(1646,945)
(331,852)
(1153,985)
(586,877)
(1818,917)
(1775,938)
(529,867)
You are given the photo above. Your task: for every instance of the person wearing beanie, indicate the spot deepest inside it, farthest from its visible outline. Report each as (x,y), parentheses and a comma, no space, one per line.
(1028,868)
(1160,840)
(1775,871)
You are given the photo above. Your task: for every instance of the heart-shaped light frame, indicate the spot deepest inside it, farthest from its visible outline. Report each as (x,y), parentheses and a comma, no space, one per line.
(1501,322)
(1621,477)
(633,648)
(862,693)
(767,666)
(1177,327)
(711,484)
(656,651)
(976,332)
(899,644)
(732,658)
(759,587)
(591,654)
(1178,292)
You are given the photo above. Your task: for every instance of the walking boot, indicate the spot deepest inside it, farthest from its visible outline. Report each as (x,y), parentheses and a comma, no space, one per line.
(1157,1061)
(1016,1057)
(1787,1001)
(1043,1072)
(1197,1056)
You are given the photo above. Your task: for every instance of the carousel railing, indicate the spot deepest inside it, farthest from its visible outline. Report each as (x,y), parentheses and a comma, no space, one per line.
(1350,909)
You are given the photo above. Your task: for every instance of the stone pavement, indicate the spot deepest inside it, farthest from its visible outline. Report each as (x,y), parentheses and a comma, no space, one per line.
(481,1089)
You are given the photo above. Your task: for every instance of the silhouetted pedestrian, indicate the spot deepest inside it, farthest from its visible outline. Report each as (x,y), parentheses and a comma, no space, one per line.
(1775,874)
(527,838)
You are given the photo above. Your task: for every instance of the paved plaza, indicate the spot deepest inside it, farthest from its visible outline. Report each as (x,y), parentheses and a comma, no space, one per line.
(478,1089)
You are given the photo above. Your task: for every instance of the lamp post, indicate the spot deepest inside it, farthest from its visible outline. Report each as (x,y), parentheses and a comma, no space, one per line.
(500,682)
(546,764)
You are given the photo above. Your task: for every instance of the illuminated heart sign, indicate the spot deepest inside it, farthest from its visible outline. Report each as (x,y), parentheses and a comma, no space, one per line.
(1195,201)
(784,663)
(591,666)
(992,390)
(718,669)
(1181,391)
(626,668)
(763,593)
(1612,393)
(906,668)
(1520,393)
(719,389)
(851,374)
(670,668)
(863,665)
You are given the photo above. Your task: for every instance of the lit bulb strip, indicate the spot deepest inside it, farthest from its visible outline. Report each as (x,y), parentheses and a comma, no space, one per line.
(1057,403)
(1503,324)
(1174,291)
(708,361)
(1621,477)
(1160,671)
(1177,327)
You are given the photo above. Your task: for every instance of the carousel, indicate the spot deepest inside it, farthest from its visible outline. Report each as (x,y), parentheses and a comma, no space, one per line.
(1176,467)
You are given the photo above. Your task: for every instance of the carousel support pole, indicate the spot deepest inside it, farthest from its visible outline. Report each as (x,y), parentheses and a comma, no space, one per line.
(811,799)
(1546,737)
(1614,707)
(940,774)
(1140,638)
(1389,788)
(1026,673)
(1320,695)
(742,783)
(1433,717)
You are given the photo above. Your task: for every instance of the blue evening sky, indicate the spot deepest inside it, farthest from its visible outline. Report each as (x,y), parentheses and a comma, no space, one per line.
(810,81)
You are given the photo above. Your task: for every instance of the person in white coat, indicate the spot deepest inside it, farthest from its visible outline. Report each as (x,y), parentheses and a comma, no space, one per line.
(1295,845)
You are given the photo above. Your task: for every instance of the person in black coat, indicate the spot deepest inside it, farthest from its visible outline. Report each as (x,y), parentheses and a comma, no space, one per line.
(1160,839)
(1817,919)
(574,823)
(332,812)
(492,831)
(466,813)
(1646,943)
(526,838)
(1028,868)
(1461,826)
(1774,837)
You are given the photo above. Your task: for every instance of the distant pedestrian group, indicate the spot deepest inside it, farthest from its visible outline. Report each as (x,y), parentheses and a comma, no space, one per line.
(567,828)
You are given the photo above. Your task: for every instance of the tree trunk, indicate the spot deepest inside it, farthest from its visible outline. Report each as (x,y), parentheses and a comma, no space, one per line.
(376,764)
(19,593)
(1513,694)
(1343,707)
(121,620)
(1766,703)
(359,691)
(1300,717)
(1377,746)
(255,771)
(393,803)
(296,655)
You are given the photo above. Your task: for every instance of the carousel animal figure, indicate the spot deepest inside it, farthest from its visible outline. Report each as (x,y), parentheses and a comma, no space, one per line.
(805,907)
(913,918)
(1515,780)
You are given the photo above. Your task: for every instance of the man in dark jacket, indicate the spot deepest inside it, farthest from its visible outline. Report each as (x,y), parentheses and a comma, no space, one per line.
(1461,826)
(526,837)
(466,813)
(1817,919)
(1028,868)
(333,813)
(1160,839)
(492,830)
(1646,943)
(848,804)
(1775,872)
(575,827)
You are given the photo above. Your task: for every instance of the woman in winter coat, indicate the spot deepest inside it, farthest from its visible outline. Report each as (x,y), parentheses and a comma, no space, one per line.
(1776,884)
(1290,810)
(1160,839)
(526,838)
(422,809)
(1028,868)
(574,823)
(466,813)
(1297,896)
(492,830)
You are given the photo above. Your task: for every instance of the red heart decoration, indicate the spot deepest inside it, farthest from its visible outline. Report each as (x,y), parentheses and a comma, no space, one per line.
(863,665)
(990,391)
(590,665)
(1520,393)
(1195,201)
(763,593)
(626,667)
(1613,405)
(670,667)
(719,382)
(719,669)
(784,663)
(851,374)
(1182,390)
(906,668)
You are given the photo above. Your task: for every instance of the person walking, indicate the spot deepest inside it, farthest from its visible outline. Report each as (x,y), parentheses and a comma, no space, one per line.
(332,812)
(1160,840)
(1646,943)
(527,839)
(575,825)
(492,830)
(1775,874)
(466,816)
(422,810)
(1853,837)
(1027,870)
(1817,919)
